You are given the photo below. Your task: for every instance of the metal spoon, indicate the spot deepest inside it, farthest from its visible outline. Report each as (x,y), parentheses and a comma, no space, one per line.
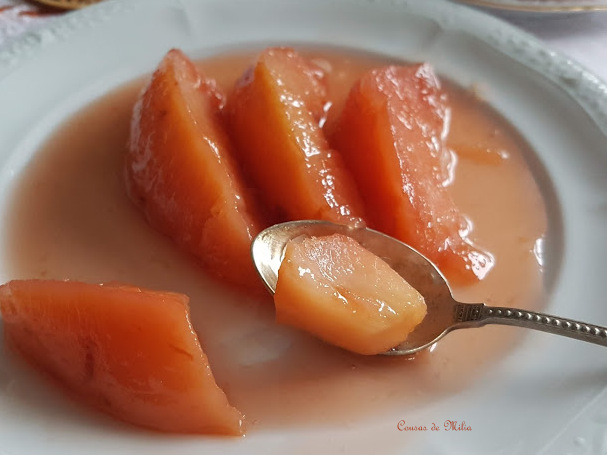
(444,312)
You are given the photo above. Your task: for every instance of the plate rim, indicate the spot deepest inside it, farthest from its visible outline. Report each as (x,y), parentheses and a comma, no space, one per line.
(588,89)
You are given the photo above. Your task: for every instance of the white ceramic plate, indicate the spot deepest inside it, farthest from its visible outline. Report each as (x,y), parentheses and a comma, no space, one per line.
(546,397)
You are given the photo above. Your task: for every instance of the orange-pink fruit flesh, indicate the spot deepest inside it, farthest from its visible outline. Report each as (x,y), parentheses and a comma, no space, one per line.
(391,135)
(340,292)
(181,172)
(275,114)
(129,352)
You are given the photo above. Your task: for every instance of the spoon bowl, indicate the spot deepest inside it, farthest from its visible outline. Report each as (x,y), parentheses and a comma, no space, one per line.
(444,313)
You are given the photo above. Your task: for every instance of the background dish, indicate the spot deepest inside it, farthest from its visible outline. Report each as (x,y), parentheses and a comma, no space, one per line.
(542,6)
(549,392)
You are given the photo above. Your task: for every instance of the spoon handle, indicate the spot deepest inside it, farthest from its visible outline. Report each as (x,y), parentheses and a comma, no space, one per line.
(478,314)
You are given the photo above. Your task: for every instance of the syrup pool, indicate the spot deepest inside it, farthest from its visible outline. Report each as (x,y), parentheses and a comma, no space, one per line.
(70,217)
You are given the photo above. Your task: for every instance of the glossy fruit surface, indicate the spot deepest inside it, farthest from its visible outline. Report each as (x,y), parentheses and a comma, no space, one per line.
(391,135)
(275,114)
(335,289)
(129,352)
(181,172)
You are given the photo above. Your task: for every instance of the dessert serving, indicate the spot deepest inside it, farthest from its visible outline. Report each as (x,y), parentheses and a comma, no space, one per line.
(168,180)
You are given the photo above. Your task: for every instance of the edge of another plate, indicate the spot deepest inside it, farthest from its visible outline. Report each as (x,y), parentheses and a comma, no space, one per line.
(538,6)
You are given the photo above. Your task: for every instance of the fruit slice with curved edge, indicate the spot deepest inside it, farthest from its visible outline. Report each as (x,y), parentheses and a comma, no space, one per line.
(129,352)
(181,173)
(275,114)
(339,291)
(391,135)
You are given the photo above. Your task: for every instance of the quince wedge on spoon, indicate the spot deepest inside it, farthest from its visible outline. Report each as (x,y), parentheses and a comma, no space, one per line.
(323,286)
